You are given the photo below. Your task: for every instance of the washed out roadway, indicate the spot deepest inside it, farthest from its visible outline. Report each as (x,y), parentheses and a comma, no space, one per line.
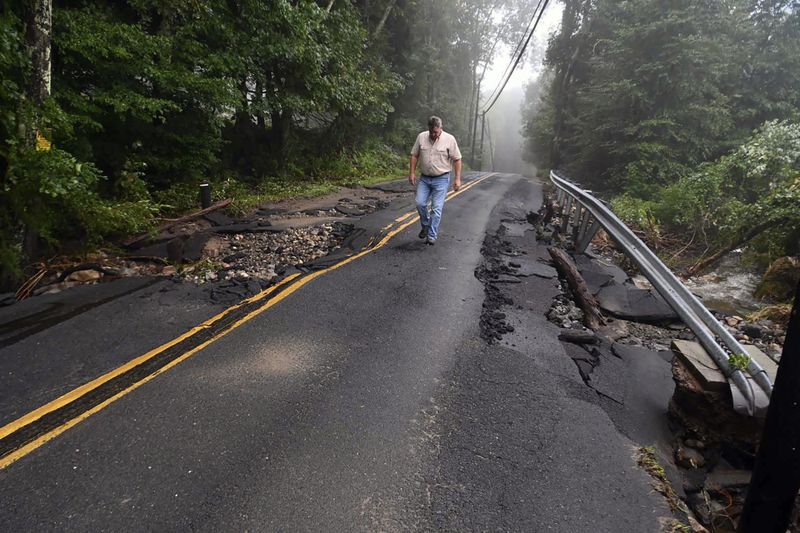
(359,402)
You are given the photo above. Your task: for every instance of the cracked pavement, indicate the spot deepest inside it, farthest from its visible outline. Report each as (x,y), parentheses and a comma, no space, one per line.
(367,401)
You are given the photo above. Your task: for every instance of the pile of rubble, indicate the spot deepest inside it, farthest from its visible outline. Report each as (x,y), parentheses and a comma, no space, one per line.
(259,256)
(236,257)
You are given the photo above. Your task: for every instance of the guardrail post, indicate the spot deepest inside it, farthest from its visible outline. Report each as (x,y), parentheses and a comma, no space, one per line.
(565,214)
(587,237)
(583,224)
(576,220)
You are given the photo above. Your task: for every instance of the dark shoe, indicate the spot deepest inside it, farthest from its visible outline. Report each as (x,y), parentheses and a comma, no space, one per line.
(423,232)
(430,242)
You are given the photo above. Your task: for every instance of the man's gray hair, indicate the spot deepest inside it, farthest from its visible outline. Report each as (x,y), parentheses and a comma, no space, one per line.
(434,122)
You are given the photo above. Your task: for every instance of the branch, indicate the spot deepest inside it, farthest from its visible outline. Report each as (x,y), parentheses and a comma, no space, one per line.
(735,243)
(171,222)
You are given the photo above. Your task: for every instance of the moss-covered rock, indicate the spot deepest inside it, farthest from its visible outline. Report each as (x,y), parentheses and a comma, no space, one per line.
(780,280)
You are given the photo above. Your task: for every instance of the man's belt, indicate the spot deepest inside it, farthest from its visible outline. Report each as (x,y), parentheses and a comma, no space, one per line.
(439,176)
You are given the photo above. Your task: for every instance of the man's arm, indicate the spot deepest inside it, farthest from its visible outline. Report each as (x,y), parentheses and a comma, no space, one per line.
(457,181)
(412,174)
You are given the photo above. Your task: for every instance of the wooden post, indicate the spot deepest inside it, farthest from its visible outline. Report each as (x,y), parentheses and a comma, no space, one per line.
(776,476)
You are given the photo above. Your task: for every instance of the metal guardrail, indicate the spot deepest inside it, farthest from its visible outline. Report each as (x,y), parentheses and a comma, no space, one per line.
(589,215)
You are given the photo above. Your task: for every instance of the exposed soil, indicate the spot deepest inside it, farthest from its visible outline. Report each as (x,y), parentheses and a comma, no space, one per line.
(216,247)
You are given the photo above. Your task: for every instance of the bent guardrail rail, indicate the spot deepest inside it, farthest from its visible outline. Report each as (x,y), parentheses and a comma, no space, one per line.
(591,214)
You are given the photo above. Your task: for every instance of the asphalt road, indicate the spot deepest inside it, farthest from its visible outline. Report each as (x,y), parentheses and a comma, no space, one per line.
(366,400)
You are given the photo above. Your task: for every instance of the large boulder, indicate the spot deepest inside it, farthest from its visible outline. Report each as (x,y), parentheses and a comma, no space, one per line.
(780,280)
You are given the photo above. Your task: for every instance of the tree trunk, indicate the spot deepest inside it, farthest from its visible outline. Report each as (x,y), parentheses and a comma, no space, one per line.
(281,130)
(39,23)
(385,16)
(38,36)
(258,100)
(592,318)
(736,243)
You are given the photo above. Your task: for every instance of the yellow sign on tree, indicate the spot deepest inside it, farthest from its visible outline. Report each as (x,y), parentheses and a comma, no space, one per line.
(42,144)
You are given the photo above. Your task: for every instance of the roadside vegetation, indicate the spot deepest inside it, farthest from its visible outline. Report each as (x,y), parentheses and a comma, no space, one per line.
(686,115)
(112,113)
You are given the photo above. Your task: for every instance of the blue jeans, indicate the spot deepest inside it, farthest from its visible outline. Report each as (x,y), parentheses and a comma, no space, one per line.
(433,190)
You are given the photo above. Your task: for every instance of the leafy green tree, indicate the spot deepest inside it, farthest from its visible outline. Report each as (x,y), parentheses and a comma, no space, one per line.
(643,91)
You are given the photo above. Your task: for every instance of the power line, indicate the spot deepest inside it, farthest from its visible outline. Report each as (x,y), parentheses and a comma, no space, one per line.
(519,57)
(516,49)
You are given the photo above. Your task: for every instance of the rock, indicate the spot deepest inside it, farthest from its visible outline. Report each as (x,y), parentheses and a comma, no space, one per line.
(687,457)
(213,247)
(84,276)
(733,321)
(753,331)
(780,279)
(169,270)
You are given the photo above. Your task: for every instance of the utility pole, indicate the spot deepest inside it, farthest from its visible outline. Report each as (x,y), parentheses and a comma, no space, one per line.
(483,126)
(776,476)
(475,122)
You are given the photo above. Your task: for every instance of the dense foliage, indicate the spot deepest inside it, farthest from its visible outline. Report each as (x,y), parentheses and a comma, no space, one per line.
(688,110)
(151,97)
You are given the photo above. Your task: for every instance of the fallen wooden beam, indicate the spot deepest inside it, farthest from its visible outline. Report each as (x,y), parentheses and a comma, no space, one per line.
(592,318)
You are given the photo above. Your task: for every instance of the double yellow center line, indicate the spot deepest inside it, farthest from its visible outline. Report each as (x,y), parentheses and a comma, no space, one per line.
(27,433)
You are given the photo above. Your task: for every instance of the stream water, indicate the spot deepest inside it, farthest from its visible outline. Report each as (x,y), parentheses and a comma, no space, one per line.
(729,287)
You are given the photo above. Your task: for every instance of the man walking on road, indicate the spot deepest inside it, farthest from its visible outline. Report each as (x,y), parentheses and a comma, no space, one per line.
(435,150)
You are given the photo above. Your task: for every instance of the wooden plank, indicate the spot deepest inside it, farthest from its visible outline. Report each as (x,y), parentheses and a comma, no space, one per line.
(696,359)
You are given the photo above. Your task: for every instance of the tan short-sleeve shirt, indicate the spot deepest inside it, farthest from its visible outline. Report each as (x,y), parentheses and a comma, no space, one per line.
(435,158)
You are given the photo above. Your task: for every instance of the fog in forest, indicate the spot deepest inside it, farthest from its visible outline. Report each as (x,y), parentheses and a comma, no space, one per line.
(503,141)
(503,138)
